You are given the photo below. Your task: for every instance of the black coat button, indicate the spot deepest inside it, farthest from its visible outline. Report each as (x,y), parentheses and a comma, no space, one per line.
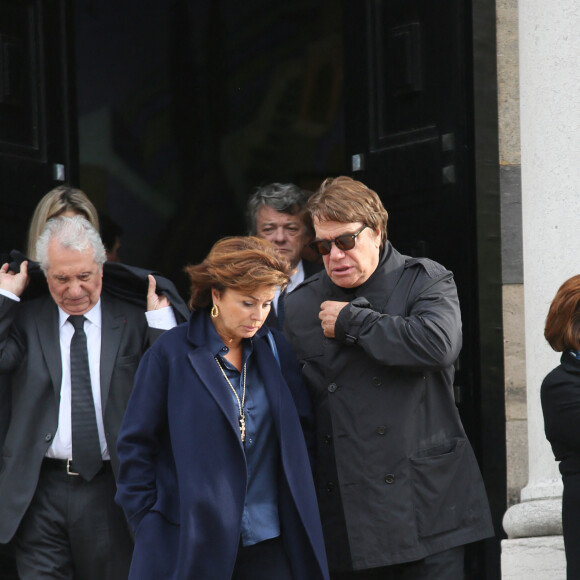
(48,437)
(330,486)
(377,381)
(332,387)
(389,478)
(381,430)
(328,439)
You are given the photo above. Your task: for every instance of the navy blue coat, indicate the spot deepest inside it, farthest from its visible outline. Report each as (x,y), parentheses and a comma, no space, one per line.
(182,476)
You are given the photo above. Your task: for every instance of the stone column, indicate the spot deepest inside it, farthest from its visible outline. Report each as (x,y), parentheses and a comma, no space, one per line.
(549,62)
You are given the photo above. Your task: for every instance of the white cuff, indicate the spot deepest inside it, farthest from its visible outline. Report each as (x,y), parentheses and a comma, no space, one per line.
(9,294)
(162,319)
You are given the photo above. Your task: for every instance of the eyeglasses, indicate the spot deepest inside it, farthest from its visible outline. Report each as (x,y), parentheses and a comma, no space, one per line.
(344,242)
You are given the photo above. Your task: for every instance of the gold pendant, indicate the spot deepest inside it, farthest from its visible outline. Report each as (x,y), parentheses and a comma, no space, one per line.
(243,429)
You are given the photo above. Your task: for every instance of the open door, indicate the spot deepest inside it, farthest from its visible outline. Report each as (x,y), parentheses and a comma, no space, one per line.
(408,120)
(37,109)
(410,136)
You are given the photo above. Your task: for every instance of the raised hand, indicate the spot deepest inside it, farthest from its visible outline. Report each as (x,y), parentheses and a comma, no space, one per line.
(155,301)
(14,282)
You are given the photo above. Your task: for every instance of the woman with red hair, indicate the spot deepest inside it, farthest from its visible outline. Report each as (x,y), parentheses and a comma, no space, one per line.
(560,396)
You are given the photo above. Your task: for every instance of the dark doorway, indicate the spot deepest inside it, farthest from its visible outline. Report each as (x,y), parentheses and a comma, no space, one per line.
(186,107)
(414,134)
(37,130)
(37,109)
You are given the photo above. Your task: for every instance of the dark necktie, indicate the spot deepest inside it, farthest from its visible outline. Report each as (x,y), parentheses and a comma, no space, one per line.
(280,310)
(86,449)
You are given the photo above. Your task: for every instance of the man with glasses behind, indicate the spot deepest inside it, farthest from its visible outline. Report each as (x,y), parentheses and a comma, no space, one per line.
(399,488)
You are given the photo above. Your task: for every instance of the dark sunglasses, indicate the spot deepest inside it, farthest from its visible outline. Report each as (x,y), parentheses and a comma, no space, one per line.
(344,242)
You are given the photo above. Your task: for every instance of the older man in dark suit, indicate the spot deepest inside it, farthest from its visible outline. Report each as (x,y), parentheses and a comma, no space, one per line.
(72,357)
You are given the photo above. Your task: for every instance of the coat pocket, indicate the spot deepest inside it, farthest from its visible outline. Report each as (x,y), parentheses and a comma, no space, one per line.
(131,359)
(438,477)
(156,547)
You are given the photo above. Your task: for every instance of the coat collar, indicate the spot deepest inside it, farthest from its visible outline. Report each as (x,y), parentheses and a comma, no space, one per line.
(379,287)
(47,325)
(204,365)
(196,327)
(113,321)
(570,362)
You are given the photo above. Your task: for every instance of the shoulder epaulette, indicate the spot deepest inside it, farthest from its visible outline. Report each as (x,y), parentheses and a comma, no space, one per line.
(433,269)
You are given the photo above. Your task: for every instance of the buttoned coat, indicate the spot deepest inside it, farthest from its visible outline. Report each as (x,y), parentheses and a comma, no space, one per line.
(397,478)
(182,478)
(30,353)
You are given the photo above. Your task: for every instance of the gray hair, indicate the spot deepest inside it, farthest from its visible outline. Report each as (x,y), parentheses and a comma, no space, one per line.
(75,233)
(282,197)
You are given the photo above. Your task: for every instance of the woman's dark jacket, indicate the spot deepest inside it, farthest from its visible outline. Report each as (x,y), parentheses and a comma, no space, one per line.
(397,479)
(182,476)
(560,395)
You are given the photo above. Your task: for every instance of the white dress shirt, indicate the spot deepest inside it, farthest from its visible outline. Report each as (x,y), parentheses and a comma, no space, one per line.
(295,279)
(61,447)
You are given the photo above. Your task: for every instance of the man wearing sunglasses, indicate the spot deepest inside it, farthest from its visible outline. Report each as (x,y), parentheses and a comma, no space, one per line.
(277,213)
(377,334)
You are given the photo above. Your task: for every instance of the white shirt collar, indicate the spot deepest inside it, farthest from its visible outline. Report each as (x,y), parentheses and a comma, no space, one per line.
(93,315)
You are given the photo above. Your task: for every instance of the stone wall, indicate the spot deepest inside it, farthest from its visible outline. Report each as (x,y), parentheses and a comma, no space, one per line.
(512,263)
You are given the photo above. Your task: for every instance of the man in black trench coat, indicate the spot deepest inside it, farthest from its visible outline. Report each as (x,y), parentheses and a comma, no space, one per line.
(377,334)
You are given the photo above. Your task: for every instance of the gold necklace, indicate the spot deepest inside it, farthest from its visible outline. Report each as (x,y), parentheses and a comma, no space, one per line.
(241,409)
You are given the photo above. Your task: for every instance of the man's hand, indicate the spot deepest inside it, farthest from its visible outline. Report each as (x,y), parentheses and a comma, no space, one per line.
(155,301)
(14,282)
(329,311)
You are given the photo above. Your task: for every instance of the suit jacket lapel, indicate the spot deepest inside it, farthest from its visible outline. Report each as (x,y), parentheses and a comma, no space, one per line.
(210,376)
(49,340)
(112,324)
(206,368)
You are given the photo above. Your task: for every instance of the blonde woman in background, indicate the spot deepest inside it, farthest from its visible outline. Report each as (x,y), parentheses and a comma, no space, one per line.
(138,285)
(62,200)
